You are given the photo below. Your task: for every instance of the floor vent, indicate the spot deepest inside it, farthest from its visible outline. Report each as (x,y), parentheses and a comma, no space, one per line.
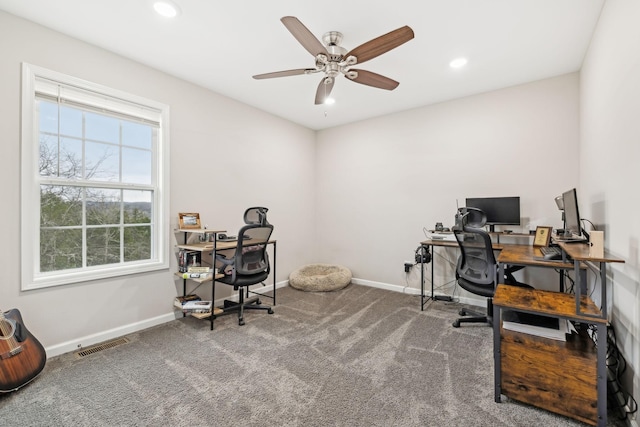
(99,347)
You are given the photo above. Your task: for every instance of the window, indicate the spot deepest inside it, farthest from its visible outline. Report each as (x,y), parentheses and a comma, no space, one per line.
(94,181)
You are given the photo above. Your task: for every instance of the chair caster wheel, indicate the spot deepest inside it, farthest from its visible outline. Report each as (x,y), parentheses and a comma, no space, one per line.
(456,324)
(241,322)
(258,302)
(270,311)
(462,312)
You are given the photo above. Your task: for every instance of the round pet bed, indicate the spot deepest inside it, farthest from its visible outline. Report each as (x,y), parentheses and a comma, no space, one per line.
(320,277)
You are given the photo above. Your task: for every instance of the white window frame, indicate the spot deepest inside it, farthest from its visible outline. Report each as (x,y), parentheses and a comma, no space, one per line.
(31,277)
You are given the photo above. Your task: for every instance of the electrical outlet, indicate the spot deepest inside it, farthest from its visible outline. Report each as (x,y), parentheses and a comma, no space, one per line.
(407,266)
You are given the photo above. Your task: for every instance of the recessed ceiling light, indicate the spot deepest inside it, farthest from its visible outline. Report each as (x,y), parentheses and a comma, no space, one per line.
(458,63)
(166,8)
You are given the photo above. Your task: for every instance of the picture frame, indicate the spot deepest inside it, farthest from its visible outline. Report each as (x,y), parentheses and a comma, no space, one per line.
(189,220)
(543,236)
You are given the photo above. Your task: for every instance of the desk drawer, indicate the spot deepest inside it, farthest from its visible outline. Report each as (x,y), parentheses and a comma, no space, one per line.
(554,375)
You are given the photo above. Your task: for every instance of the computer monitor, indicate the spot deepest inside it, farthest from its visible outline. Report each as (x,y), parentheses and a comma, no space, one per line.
(499,210)
(572,221)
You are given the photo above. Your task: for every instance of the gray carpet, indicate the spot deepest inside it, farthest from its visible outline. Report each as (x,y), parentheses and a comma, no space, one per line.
(355,357)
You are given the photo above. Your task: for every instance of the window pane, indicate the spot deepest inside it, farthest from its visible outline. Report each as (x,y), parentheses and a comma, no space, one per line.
(103,246)
(102,128)
(137,243)
(137,206)
(103,206)
(70,158)
(136,166)
(70,122)
(48,116)
(60,206)
(60,249)
(102,162)
(48,159)
(136,135)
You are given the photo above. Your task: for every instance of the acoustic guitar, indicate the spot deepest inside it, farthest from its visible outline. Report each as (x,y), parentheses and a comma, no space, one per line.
(22,357)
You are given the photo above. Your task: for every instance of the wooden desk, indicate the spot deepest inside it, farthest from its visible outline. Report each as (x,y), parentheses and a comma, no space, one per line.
(213,247)
(569,378)
(528,255)
(497,246)
(580,253)
(431,243)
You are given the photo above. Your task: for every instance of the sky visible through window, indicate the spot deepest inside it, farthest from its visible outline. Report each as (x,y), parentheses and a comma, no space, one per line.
(95,147)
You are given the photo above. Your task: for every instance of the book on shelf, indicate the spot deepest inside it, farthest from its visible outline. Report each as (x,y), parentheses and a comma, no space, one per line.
(197,307)
(214,310)
(180,301)
(535,324)
(188,259)
(194,269)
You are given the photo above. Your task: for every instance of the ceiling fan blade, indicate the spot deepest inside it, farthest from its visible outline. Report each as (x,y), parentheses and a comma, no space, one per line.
(372,79)
(284,73)
(304,36)
(324,89)
(382,44)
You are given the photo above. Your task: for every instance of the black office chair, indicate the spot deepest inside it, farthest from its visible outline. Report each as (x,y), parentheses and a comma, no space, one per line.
(477,269)
(248,266)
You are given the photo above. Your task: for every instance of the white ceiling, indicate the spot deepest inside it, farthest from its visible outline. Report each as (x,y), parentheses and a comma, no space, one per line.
(221,44)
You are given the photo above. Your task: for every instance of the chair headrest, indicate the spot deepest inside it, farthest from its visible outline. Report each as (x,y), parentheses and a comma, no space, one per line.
(472,217)
(256,215)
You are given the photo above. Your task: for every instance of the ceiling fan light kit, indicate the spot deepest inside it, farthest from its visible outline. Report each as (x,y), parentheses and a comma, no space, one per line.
(332,59)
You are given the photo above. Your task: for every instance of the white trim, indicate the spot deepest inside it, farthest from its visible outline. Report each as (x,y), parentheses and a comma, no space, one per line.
(110,334)
(31,278)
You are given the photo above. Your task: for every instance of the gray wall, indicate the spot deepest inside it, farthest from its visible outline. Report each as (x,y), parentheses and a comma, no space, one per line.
(225,157)
(381,181)
(610,160)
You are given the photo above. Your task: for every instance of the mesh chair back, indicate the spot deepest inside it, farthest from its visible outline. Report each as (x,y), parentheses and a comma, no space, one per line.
(477,263)
(251,255)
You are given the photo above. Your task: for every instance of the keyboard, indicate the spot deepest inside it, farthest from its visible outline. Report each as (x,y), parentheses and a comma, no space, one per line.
(551,252)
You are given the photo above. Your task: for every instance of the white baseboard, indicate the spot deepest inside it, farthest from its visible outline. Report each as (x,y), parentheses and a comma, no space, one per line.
(414,291)
(110,334)
(387,286)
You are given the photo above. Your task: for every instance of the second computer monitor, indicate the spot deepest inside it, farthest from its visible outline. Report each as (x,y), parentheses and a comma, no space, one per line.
(573,223)
(499,210)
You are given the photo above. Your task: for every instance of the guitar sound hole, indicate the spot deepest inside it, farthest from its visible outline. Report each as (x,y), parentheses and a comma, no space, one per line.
(7,329)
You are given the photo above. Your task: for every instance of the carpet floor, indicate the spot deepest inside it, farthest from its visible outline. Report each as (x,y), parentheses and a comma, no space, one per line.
(356,357)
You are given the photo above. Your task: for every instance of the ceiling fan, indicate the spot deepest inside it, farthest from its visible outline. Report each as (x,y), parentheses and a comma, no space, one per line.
(333,60)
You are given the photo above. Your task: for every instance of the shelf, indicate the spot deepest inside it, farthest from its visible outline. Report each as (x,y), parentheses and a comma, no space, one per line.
(198,230)
(549,303)
(216,311)
(200,246)
(200,280)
